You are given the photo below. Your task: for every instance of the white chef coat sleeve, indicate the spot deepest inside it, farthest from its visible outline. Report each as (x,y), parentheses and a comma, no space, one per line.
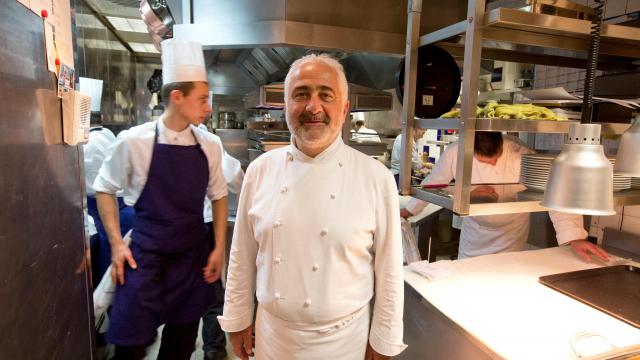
(416,160)
(568,227)
(386,325)
(217,188)
(233,174)
(441,173)
(241,276)
(114,172)
(395,153)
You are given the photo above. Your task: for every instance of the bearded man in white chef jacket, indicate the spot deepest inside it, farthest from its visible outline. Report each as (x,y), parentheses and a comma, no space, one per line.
(497,160)
(317,238)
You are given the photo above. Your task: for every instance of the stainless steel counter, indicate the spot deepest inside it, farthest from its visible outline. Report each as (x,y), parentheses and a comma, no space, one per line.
(493,307)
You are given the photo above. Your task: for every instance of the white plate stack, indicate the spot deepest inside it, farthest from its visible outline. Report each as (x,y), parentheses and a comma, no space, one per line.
(535,169)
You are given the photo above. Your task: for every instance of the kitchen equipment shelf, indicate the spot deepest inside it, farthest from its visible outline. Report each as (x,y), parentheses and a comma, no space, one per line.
(522,27)
(515,125)
(619,46)
(511,198)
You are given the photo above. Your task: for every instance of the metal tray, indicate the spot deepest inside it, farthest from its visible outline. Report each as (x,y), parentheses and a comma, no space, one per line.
(614,290)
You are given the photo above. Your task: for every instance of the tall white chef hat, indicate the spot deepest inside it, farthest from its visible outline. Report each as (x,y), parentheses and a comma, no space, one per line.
(182,61)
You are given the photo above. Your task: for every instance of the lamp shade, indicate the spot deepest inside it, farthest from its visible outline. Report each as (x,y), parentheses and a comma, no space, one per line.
(628,158)
(581,177)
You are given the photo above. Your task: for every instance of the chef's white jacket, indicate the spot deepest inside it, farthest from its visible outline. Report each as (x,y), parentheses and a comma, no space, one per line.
(365,134)
(317,239)
(396,154)
(95,152)
(492,234)
(233,175)
(127,166)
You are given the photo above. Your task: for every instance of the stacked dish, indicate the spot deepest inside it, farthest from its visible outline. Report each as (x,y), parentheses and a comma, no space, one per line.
(535,169)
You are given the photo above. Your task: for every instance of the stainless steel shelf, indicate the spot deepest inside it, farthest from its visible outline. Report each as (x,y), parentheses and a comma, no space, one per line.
(619,44)
(525,28)
(508,199)
(515,125)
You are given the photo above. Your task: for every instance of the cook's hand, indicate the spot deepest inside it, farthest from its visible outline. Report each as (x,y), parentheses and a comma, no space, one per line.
(214,267)
(584,249)
(373,355)
(119,255)
(404,213)
(242,342)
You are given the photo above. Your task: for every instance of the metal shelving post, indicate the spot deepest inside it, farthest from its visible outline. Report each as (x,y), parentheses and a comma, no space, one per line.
(414,9)
(470,78)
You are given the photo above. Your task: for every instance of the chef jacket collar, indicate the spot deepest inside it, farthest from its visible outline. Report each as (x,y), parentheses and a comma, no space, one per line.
(170,134)
(326,155)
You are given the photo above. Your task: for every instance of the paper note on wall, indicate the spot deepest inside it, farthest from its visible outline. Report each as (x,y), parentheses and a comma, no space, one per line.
(60,19)
(50,47)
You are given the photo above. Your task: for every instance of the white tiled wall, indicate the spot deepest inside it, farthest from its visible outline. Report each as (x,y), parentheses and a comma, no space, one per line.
(627,219)
(631,220)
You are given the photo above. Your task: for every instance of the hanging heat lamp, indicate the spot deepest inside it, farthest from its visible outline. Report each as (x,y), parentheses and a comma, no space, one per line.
(581,177)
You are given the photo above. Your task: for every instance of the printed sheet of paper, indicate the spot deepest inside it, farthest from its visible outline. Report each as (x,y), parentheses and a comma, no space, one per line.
(60,19)
(50,47)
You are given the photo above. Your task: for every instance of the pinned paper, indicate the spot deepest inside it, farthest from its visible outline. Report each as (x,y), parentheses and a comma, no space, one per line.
(50,47)
(66,79)
(59,16)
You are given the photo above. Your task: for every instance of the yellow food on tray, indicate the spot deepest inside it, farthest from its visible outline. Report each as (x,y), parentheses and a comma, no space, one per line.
(456,113)
(504,111)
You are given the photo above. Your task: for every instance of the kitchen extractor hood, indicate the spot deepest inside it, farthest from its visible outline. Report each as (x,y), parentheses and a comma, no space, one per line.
(361,98)
(371,26)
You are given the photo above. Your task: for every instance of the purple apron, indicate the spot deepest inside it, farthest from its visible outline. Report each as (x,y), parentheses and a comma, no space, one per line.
(170,245)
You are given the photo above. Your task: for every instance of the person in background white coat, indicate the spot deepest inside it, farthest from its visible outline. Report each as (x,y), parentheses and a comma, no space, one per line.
(497,160)
(362,133)
(396,154)
(317,238)
(213,339)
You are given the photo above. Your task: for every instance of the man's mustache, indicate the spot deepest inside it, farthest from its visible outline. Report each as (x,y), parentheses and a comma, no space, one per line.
(307,116)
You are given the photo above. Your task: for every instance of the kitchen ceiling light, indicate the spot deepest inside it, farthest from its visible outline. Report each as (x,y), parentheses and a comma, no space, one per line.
(143,47)
(628,158)
(127,24)
(581,177)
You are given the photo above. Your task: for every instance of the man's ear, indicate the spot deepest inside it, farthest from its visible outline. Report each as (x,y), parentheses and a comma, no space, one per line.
(345,111)
(176,96)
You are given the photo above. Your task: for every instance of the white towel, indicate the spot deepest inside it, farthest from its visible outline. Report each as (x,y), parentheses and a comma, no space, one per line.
(103,294)
(432,271)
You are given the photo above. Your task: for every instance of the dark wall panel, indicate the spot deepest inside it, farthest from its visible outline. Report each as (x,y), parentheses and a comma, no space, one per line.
(44,296)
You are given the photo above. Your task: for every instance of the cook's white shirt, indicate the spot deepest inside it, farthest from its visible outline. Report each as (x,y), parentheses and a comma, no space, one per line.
(127,167)
(95,151)
(317,239)
(365,134)
(491,234)
(396,153)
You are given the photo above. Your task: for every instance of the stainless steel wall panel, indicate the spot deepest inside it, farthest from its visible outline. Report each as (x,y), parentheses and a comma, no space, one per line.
(44,295)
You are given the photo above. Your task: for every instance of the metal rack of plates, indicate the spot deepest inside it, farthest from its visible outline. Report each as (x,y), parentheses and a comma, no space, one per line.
(527,33)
